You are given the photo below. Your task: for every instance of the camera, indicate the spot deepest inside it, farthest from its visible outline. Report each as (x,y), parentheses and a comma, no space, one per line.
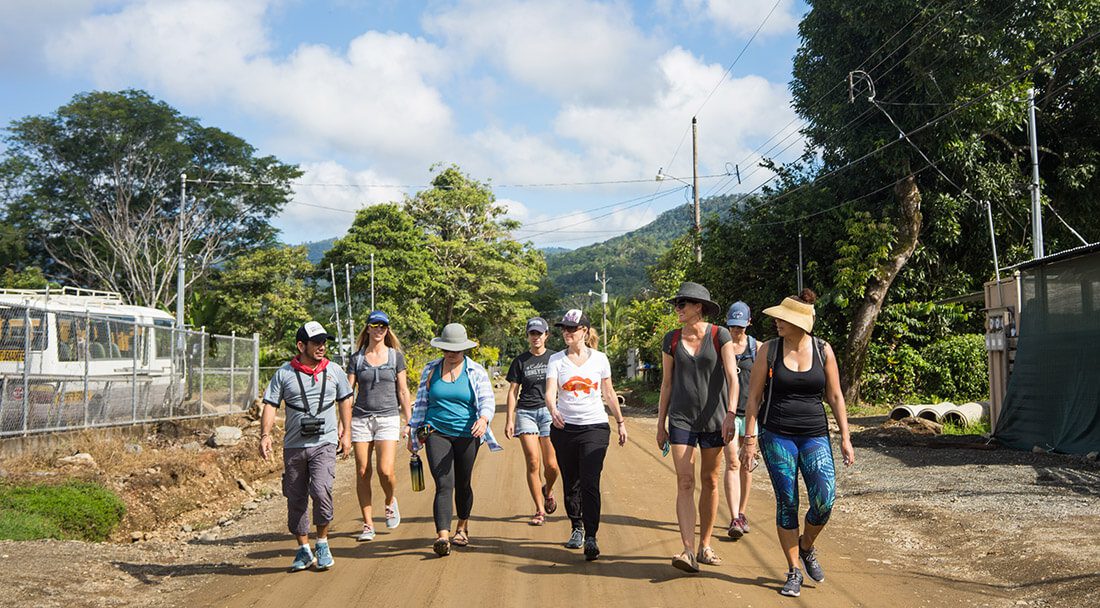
(312,427)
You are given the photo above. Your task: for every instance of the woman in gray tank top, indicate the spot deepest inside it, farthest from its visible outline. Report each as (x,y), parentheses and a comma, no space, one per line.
(377,371)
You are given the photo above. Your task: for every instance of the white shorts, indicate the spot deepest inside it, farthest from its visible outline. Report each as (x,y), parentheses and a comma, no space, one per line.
(375,428)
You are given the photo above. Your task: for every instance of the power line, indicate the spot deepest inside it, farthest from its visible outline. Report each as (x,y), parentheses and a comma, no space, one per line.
(738,58)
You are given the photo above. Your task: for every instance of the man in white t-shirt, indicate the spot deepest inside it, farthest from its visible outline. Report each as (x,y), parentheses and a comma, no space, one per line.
(578,383)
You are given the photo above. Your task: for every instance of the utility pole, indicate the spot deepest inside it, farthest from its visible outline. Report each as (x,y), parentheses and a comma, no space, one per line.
(179,252)
(603,298)
(695,189)
(372,282)
(347,299)
(799,262)
(336,307)
(1036,205)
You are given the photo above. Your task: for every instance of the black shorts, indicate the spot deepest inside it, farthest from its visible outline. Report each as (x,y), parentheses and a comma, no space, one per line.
(705,440)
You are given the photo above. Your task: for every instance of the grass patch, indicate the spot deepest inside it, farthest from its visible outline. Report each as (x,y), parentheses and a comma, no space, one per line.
(77,510)
(641,393)
(980,428)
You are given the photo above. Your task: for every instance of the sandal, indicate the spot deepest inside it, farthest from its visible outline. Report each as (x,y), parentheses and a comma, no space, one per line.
(538,519)
(442,547)
(686,562)
(708,556)
(551,504)
(460,538)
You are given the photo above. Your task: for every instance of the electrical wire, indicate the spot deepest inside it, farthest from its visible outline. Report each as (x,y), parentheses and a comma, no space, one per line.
(738,58)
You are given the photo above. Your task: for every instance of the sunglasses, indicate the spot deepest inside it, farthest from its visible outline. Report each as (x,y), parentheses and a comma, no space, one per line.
(679,304)
(569,330)
(377,325)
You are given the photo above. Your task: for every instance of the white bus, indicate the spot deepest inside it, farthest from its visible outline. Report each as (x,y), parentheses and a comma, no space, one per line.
(83,359)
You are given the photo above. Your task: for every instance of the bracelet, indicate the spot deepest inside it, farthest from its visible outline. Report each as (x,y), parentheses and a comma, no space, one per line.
(749,436)
(620,422)
(262,435)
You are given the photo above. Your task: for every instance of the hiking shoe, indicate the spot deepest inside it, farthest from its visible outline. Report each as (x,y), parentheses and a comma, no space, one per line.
(734,531)
(324,557)
(591,549)
(810,563)
(576,539)
(366,534)
(793,586)
(393,515)
(303,559)
(743,523)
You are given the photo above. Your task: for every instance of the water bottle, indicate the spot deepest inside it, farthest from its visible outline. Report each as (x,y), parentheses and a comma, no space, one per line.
(416,473)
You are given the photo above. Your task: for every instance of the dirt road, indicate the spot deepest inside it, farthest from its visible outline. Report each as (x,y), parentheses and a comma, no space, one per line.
(510,563)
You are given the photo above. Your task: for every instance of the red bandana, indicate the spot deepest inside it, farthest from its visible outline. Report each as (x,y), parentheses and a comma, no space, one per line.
(312,371)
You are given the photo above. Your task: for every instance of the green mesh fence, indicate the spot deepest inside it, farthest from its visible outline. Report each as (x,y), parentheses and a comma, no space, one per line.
(1053,398)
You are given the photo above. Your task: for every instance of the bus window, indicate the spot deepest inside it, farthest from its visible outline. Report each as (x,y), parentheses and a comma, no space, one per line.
(12,330)
(72,338)
(121,338)
(162,338)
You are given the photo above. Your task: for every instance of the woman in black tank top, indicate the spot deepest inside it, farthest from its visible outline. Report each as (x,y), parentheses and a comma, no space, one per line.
(791,377)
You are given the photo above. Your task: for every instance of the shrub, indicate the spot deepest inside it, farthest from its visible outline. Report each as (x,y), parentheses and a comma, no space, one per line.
(17,525)
(892,374)
(957,368)
(80,510)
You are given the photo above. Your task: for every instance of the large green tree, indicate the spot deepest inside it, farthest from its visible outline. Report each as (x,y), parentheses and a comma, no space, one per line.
(955,76)
(94,187)
(480,276)
(264,291)
(402,268)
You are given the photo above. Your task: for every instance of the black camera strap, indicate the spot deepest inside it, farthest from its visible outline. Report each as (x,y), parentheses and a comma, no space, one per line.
(320,401)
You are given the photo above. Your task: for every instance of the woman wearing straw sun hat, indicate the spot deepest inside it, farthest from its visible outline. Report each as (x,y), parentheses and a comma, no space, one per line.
(791,375)
(698,385)
(450,417)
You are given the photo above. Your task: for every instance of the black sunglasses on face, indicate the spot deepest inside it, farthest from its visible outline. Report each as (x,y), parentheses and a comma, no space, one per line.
(682,303)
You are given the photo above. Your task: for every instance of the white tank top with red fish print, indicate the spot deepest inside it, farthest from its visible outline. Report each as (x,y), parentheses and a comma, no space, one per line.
(579,398)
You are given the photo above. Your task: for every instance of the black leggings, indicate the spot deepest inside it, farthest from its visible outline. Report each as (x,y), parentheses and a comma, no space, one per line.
(451,461)
(581,449)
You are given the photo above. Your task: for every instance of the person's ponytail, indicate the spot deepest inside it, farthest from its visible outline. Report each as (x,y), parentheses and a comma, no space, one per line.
(593,339)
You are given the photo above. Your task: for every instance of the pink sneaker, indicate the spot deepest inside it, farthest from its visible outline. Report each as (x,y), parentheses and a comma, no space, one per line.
(744,521)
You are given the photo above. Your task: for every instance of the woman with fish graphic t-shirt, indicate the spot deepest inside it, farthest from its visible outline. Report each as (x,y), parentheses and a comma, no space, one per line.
(578,383)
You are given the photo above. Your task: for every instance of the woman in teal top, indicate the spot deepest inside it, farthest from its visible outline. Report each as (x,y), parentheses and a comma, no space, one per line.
(451,415)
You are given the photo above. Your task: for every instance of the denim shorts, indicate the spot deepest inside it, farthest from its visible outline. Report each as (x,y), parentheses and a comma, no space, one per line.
(679,436)
(533,421)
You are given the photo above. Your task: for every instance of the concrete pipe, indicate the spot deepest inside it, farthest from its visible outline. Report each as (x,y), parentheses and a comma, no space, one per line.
(622,400)
(903,411)
(966,414)
(936,412)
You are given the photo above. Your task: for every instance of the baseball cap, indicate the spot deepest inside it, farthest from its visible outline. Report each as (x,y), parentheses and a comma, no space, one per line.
(574,318)
(377,316)
(537,324)
(738,315)
(313,332)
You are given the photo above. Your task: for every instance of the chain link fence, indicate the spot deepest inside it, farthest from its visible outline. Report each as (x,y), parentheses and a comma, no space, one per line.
(72,370)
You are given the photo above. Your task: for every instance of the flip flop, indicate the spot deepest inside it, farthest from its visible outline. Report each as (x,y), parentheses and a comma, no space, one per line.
(708,556)
(551,504)
(538,519)
(442,547)
(686,562)
(460,538)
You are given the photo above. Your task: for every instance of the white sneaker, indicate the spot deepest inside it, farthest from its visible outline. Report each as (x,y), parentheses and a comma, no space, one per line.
(366,534)
(393,515)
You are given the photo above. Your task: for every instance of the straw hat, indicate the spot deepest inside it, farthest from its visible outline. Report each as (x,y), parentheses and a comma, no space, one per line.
(795,312)
(453,338)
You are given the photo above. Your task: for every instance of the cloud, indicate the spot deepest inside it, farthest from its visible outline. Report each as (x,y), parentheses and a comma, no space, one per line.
(742,17)
(211,51)
(570,49)
(326,198)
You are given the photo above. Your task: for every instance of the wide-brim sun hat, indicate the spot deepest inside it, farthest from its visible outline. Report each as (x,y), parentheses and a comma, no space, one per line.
(795,312)
(696,293)
(453,338)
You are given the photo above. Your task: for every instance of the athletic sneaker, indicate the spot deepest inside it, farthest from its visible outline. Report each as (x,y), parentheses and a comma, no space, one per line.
(793,586)
(303,559)
(734,531)
(324,557)
(744,522)
(366,534)
(810,563)
(591,549)
(393,515)
(576,539)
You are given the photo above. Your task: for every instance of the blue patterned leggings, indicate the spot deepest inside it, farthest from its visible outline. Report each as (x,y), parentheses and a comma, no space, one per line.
(784,456)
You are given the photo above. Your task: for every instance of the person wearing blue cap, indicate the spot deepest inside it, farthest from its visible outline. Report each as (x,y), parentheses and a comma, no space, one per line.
(377,370)
(529,419)
(738,480)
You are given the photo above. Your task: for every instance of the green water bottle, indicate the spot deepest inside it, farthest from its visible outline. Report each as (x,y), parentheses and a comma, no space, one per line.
(416,473)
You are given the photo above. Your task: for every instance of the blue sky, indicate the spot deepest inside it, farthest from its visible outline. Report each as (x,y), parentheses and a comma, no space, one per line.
(363,94)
